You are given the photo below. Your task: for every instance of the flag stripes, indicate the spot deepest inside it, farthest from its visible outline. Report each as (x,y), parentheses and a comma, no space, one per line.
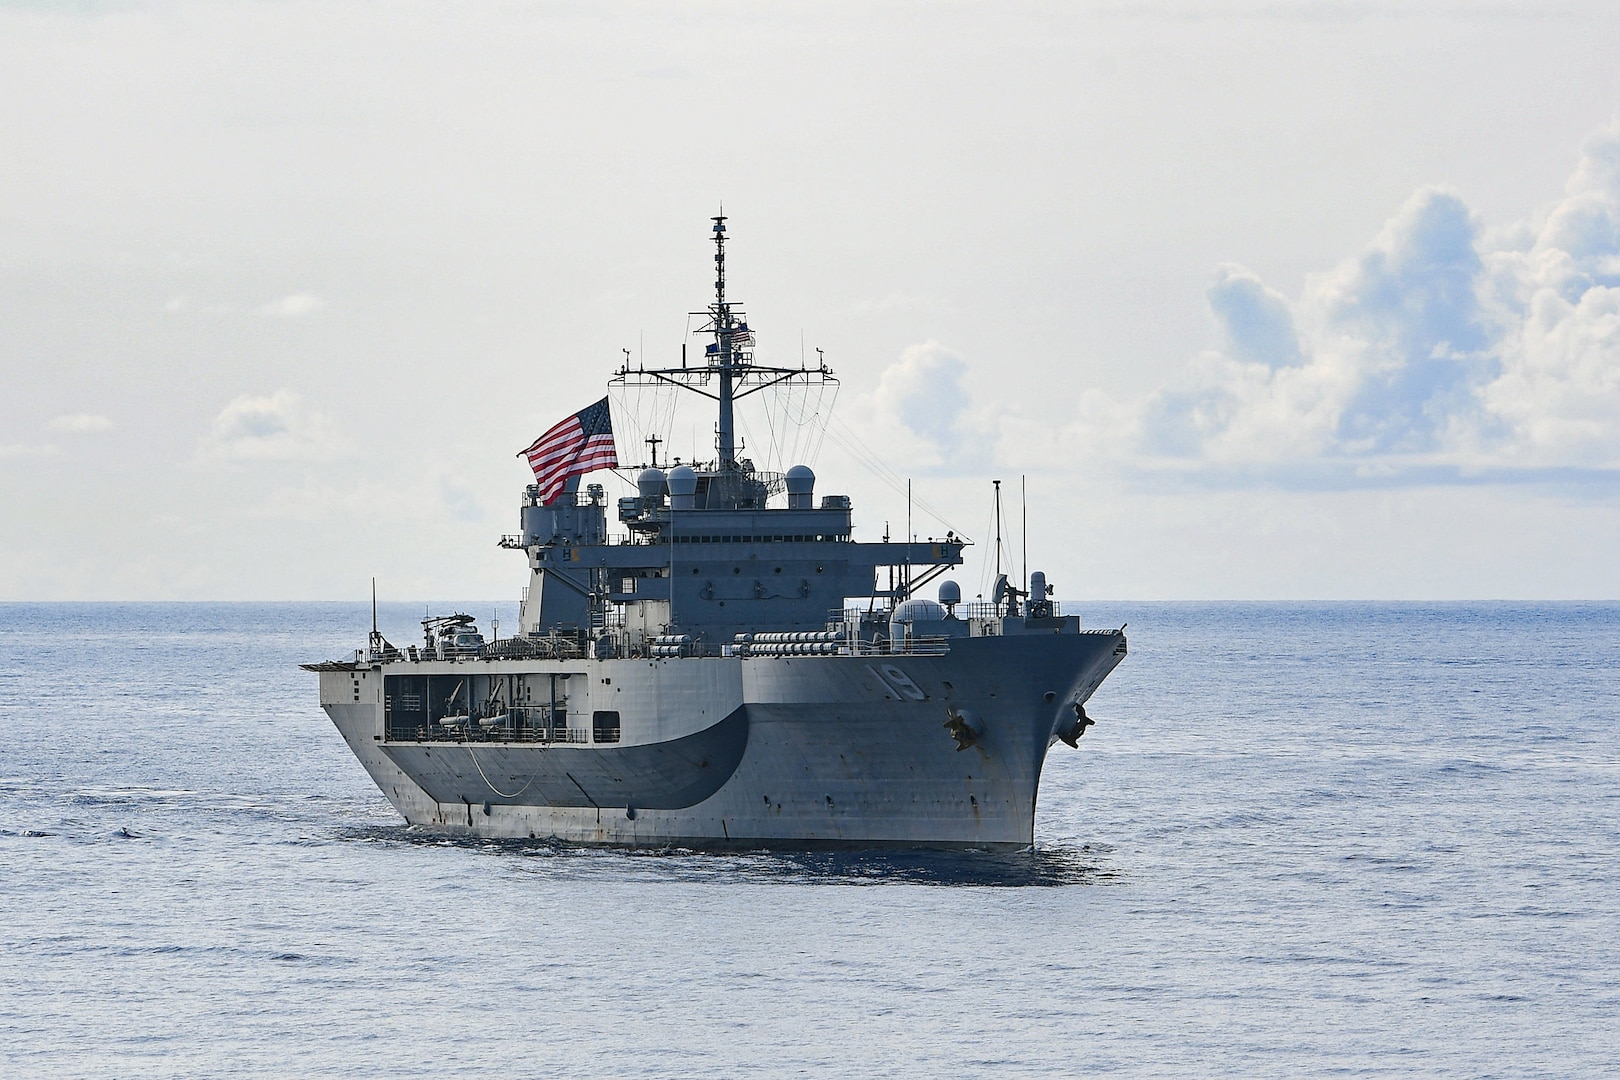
(573,447)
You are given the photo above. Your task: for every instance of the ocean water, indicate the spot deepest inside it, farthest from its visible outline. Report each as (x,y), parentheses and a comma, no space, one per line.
(1352,839)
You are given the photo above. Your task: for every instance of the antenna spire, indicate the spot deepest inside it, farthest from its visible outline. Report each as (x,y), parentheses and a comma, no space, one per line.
(726,375)
(725,349)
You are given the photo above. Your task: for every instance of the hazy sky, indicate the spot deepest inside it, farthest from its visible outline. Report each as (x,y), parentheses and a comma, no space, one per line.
(1267,300)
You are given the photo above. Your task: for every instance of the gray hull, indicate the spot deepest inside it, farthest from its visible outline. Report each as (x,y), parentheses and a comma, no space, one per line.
(823,751)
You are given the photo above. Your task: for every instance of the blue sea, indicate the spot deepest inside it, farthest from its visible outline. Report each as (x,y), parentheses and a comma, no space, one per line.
(1354,839)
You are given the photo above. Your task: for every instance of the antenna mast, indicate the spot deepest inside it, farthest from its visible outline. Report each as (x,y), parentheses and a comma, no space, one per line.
(998,526)
(728,373)
(725,432)
(908,541)
(1023,498)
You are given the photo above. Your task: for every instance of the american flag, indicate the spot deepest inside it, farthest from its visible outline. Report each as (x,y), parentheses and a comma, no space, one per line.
(574,447)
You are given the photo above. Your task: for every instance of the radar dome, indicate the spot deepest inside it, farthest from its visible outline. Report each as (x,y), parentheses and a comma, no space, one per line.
(918,611)
(915,618)
(801,488)
(650,483)
(950,594)
(682,486)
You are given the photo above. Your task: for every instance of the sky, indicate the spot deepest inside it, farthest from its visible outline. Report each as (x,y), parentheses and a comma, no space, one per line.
(1254,300)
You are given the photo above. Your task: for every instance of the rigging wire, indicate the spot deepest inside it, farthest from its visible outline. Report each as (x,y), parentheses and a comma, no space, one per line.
(799,418)
(985,562)
(864,456)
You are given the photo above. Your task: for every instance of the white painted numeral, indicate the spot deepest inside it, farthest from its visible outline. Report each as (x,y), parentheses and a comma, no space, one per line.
(899,682)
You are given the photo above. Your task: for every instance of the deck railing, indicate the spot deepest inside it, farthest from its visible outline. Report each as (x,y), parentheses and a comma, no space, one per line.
(500,733)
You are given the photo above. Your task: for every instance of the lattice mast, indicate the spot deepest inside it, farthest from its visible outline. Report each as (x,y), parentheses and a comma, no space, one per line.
(724,327)
(728,365)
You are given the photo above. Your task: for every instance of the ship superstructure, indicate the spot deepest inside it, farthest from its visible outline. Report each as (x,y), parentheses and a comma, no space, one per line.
(724,665)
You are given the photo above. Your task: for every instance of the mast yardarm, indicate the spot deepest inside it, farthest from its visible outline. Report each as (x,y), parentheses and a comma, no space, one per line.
(728,365)
(725,333)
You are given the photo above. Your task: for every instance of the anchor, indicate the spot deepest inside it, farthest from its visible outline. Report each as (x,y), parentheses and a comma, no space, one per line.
(1071,732)
(964,727)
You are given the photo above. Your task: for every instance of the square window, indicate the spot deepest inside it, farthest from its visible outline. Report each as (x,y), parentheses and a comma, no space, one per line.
(605,726)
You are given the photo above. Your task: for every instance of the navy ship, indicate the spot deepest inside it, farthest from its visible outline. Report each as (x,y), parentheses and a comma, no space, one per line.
(727,667)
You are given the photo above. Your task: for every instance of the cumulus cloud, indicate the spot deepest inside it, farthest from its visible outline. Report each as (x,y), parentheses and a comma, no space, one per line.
(80,423)
(920,403)
(1441,345)
(296,306)
(274,428)
(1442,351)
(22,450)
(1258,322)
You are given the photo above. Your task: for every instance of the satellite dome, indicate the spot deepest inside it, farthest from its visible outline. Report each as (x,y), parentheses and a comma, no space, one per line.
(801,487)
(650,484)
(950,593)
(918,610)
(916,618)
(800,480)
(682,480)
(682,486)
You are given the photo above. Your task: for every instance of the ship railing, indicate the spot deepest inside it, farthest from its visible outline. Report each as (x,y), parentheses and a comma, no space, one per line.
(911,646)
(978,610)
(549,647)
(498,733)
(834,643)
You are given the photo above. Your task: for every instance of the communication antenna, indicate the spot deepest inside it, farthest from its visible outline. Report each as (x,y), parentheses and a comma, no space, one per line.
(998,526)
(1023,497)
(891,565)
(375,645)
(725,373)
(908,539)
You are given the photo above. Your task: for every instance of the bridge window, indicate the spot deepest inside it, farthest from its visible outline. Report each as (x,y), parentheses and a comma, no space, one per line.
(605,726)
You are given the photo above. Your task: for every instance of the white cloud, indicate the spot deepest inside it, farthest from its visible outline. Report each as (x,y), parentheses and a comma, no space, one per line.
(18,450)
(80,423)
(1258,322)
(274,428)
(296,306)
(1441,346)
(920,406)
